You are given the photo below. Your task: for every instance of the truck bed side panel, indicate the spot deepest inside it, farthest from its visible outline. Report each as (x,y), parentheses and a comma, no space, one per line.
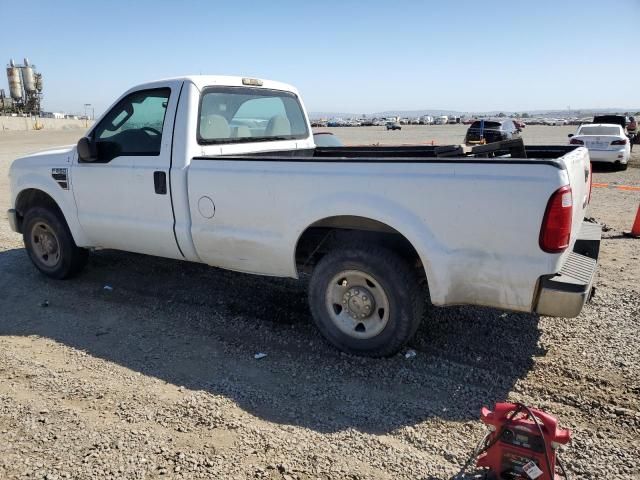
(475,226)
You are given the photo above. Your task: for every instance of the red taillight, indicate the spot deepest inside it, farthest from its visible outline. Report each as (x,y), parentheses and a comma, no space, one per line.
(555,233)
(576,141)
(619,142)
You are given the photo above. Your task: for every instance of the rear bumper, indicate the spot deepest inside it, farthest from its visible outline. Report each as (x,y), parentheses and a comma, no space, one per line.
(565,293)
(12,215)
(611,156)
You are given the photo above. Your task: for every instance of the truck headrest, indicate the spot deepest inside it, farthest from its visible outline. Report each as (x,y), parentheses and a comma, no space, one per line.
(278,125)
(214,126)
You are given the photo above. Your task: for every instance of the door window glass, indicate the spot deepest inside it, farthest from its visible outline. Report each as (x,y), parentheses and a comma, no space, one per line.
(133,126)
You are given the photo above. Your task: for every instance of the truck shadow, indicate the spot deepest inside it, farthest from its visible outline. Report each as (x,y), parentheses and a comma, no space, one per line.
(604,167)
(199,327)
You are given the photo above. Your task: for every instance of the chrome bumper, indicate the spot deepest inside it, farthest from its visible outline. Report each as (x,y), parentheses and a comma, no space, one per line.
(565,293)
(12,215)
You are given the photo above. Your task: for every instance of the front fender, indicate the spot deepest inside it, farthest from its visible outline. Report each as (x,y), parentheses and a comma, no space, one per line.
(63,198)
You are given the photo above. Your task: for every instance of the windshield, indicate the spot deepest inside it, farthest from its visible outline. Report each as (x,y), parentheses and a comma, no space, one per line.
(599,130)
(240,114)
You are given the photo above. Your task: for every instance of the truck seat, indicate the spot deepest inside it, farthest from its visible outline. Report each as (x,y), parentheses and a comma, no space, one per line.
(241,131)
(278,125)
(214,126)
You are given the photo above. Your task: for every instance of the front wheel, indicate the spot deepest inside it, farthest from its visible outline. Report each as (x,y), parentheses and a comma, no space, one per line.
(50,245)
(366,300)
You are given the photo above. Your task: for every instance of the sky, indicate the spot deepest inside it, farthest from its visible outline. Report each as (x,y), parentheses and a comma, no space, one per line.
(343,56)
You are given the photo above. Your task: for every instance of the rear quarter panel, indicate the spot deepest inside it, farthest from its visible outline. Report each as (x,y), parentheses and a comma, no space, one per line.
(475,226)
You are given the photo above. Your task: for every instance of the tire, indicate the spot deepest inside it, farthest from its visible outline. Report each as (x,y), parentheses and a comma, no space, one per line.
(387,282)
(623,166)
(50,245)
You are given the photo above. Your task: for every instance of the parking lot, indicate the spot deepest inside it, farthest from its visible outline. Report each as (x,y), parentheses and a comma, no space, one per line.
(441,134)
(155,377)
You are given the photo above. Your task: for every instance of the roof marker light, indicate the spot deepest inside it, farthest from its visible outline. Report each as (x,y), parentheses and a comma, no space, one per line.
(252,81)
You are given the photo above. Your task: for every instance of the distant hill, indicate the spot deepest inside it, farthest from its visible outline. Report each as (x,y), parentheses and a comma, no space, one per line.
(389,113)
(583,112)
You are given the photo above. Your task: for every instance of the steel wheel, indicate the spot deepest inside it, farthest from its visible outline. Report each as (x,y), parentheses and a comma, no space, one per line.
(46,246)
(365,299)
(357,304)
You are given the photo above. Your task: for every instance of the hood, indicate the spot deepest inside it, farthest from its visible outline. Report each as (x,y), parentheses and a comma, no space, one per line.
(55,157)
(63,150)
(45,157)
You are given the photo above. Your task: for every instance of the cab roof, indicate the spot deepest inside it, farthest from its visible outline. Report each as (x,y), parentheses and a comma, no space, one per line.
(202,81)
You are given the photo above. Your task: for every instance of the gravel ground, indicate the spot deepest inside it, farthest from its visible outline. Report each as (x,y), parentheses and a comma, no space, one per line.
(157,378)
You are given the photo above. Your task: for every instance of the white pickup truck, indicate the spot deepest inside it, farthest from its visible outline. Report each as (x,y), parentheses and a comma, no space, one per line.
(224,171)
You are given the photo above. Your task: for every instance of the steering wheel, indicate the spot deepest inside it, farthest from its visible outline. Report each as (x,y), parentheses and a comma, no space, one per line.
(152,130)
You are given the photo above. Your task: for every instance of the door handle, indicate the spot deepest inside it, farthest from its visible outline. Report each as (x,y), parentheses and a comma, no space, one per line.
(160,182)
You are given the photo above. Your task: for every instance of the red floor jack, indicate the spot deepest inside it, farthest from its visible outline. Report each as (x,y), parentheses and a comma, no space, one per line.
(521,445)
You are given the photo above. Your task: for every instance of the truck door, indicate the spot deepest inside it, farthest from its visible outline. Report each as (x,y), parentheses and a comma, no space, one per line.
(123,198)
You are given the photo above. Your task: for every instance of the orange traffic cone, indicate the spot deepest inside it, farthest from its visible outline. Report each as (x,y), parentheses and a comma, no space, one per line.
(635,230)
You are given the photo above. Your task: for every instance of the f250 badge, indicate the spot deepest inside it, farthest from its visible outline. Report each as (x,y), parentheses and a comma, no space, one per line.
(61,177)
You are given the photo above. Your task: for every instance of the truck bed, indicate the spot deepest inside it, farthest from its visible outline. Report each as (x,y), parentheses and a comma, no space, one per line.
(473,214)
(511,151)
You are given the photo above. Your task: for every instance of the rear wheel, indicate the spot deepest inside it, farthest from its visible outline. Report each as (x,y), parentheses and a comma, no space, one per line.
(366,300)
(50,245)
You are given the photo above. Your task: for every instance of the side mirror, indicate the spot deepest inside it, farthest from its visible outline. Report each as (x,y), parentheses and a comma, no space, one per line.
(87,150)
(570,135)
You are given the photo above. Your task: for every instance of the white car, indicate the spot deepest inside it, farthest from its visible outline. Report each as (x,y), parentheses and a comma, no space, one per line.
(606,142)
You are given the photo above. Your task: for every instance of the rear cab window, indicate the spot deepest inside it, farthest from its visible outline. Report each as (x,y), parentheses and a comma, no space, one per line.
(246,114)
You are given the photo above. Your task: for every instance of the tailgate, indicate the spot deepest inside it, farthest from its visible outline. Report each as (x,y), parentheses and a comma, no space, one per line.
(578,167)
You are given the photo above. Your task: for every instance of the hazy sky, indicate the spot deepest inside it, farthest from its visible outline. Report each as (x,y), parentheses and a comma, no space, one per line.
(346,56)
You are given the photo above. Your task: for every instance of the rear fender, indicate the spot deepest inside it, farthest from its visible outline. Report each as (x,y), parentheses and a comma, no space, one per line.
(383,210)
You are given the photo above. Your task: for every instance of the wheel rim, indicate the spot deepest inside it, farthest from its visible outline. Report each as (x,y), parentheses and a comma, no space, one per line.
(45,244)
(357,304)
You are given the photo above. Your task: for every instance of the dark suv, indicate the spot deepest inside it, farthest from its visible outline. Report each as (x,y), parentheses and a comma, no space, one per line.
(621,120)
(487,131)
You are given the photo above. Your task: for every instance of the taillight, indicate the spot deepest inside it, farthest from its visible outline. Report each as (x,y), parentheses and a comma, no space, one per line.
(576,141)
(619,142)
(555,233)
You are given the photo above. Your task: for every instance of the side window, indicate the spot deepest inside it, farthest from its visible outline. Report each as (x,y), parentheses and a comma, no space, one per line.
(134,126)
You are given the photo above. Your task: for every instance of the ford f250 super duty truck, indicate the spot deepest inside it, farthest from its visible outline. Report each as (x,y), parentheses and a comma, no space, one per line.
(224,171)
